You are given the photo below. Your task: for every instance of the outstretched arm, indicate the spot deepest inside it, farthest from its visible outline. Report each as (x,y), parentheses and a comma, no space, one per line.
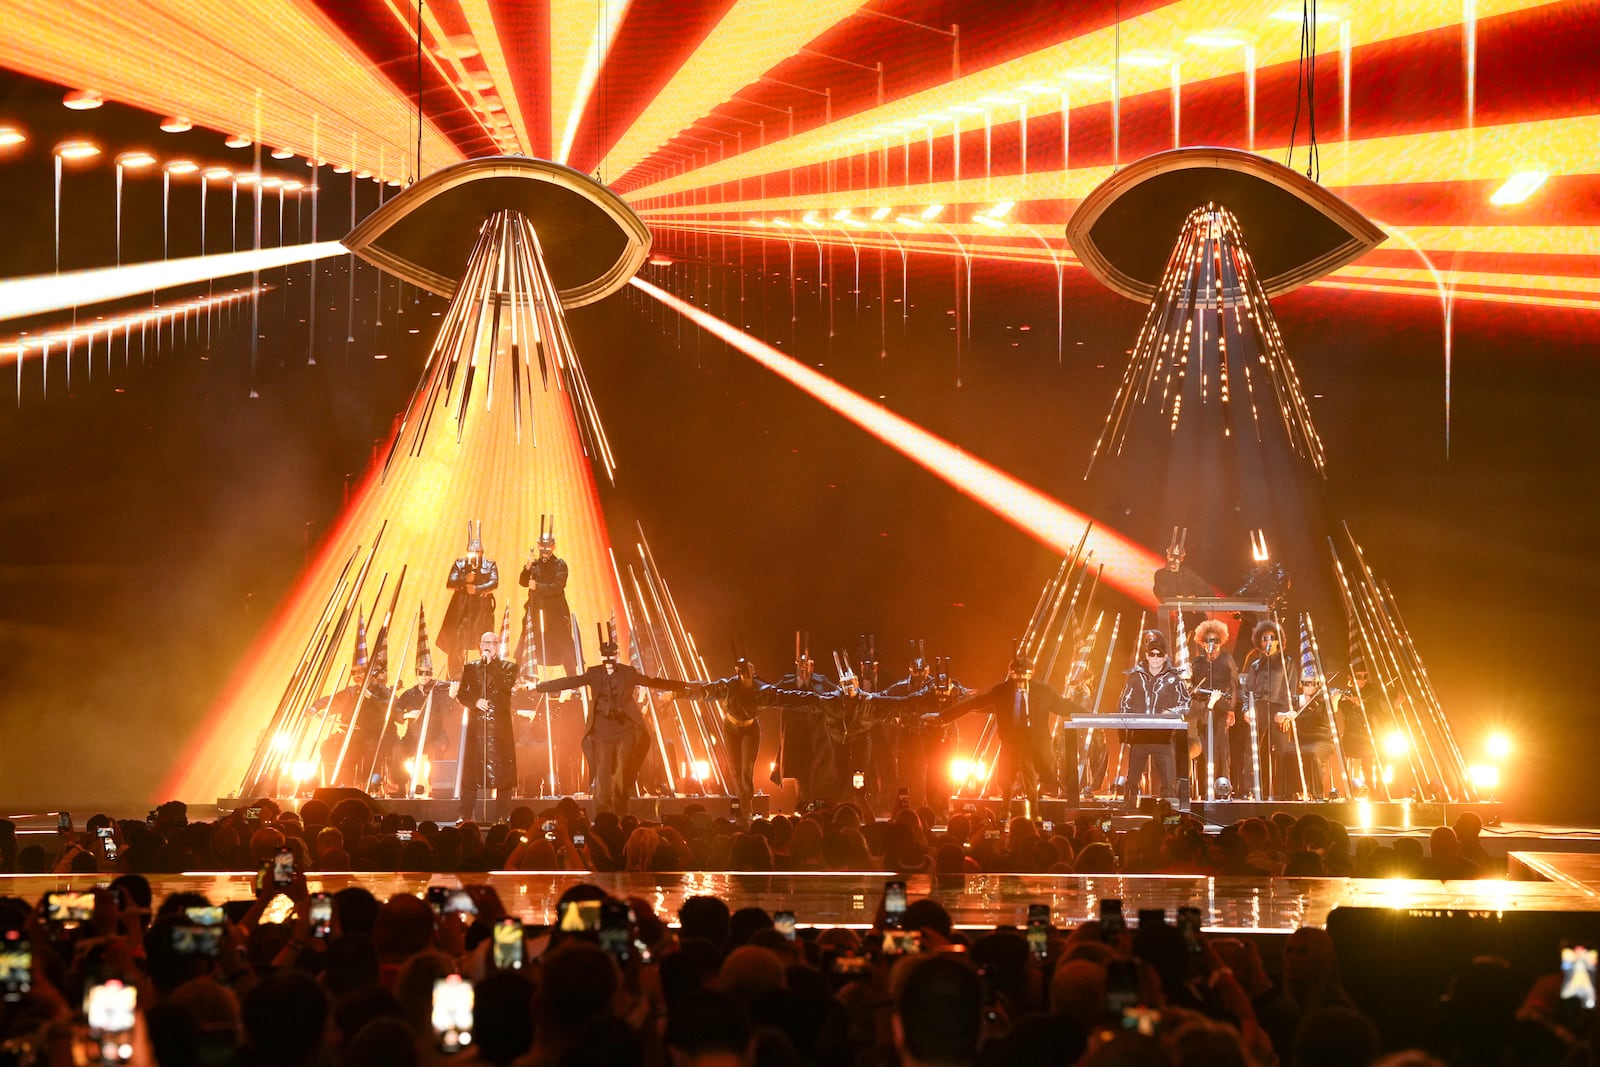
(556,685)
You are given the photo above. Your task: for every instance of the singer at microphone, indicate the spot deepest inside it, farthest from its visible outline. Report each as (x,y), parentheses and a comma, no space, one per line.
(488,748)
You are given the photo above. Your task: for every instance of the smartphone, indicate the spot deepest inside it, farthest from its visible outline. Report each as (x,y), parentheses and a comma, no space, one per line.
(69,909)
(1189,926)
(894,904)
(1122,987)
(64,822)
(108,842)
(508,945)
(616,930)
(1577,976)
(1152,917)
(991,835)
(16,967)
(579,917)
(1039,930)
(578,840)
(436,896)
(280,909)
(549,830)
(460,903)
(207,916)
(1172,820)
(110,1006)
(321,917)
(252,814)
(1105,826)
(402,835)
(897,942)
(452,1013)
(283,868)
(783,922)
(191,939)
(1111,921)
(989,996)
(858,780)
(1049,826)
(734,810)
(902,799)
(850,965)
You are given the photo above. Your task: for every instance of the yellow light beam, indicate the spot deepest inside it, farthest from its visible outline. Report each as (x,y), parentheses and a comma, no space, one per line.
(1128,565)
(752,38)
(594,59)
(573,30)
(287,63)
(487,33)
(1164,29)
(20,297)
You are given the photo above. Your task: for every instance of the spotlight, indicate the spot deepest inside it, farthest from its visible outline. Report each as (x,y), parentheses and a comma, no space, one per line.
(82,100)
(75,150)
(960,770)
(237,140)
(701,769)
(283,153)
(11,136)
(1519,187)
(135,160)
(1484,776)
(1394,745)
(881,213)
(176,124)
(217,174)
(182,166)
(1499,746)
(932,211)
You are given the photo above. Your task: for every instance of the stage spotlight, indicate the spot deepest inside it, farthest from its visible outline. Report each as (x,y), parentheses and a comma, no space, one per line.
(11,136)
(282,153)
(237,140)
(1395,746)
(701,770)
(77,150)
(82,100)
(176,124)
(182,166)
(217,174)
(1484,776)
(960,771)
(135,160)
(1499,746)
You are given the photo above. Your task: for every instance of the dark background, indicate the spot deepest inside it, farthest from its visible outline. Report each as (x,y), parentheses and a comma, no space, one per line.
(155,514)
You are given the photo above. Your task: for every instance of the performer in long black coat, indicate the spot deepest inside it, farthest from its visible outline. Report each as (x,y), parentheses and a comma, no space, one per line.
(1022,708)
(618,738)
(804,751)
(926,747)
(488,750)
(473,580)
(547,618)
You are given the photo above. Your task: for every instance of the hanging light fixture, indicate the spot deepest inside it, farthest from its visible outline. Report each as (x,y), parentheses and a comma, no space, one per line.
(176,124)
(82,100)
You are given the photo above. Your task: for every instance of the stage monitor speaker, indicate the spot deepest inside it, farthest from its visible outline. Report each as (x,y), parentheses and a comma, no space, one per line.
(332,794)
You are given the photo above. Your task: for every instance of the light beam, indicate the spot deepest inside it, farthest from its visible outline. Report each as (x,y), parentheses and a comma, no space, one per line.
(1128,564)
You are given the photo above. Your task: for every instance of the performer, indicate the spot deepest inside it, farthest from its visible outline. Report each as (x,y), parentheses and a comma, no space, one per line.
(744,697)
(547,620)
(1268,581)
(1355,735)
(1154,686)
(1315,736)
(804,751)
(851,716)
(472,580)
(1265,680)
(1213,704)
(430,701)
(1174,580)
(1022,708)
(618,739)
(488,749)
(926,747)
(367,690)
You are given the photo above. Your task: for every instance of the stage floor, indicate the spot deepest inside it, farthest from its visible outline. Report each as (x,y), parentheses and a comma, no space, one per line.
(1276,905)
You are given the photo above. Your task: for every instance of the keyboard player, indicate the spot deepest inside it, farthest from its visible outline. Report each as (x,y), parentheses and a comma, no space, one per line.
(1154,686)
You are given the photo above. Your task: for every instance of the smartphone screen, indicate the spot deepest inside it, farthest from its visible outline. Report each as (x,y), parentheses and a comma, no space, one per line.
(1105,826)
(1039,930)
(252,814)
(1577,975)
(283,867)
(69,908)
(578,840)
(321,917)
(1111,921)
(616,930)
(734,809)
(579,917)
(280,909)
(402,835)
(16,966)
(64,822)
(898,942)
(894,903)
(436,896)
(1049,826)
(508,945)
(783,922)
(549,830)
(110,1007)
(460,903)
(1189,926)
(452,1013)
(858,780)
(190,939)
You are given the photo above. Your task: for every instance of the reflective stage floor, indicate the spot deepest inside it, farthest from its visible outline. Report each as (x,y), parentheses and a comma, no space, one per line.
(1278,905)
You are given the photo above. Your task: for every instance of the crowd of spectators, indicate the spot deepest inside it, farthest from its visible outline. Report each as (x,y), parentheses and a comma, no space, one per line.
(350,836)
(275,986)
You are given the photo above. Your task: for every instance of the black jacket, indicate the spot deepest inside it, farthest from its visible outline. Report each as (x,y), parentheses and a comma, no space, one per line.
(1144,693)
(614,693)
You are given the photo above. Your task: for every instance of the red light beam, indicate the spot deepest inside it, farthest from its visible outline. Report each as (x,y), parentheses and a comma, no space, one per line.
(1128,565)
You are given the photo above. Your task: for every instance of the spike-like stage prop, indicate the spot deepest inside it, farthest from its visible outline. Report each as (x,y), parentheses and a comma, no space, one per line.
(501,438)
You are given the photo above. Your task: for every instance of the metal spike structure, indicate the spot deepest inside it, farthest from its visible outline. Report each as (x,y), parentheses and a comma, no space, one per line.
(1210,333)
(486,436)
(1406,702)
(662,646)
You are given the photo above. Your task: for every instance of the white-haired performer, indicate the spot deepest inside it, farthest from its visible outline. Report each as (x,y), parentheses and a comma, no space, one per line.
(1213,704)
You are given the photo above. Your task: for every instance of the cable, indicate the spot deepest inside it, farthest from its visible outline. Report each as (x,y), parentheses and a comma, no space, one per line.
(417,172)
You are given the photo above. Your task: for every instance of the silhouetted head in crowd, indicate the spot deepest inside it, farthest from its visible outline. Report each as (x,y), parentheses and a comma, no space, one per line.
(503,1017)
(284,1018)
(708,1028)
(937,1013)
